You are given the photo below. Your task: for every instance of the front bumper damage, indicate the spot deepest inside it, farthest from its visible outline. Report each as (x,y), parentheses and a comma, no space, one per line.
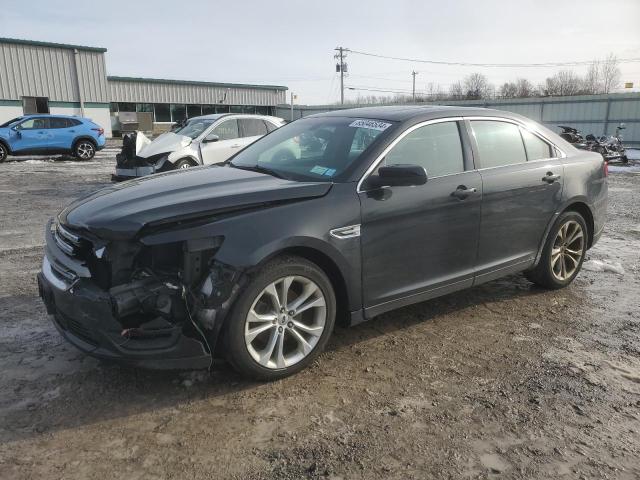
(148,322)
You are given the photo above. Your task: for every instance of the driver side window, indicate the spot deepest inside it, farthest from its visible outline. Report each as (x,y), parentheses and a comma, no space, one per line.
(435,147)
(227,130)
(35,124)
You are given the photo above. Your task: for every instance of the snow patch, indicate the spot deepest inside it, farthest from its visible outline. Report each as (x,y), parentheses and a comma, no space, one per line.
(602,266)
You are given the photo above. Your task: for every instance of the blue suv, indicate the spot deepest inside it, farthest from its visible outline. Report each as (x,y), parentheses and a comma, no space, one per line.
(50,134)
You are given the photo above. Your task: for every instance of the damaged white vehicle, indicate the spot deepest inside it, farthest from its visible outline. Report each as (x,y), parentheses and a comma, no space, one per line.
(204,140)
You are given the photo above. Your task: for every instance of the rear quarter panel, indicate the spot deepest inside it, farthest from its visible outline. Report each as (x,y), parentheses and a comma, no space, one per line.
(585,182)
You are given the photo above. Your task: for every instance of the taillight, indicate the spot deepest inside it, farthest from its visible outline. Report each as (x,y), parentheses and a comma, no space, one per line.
(605,168)
(99,130)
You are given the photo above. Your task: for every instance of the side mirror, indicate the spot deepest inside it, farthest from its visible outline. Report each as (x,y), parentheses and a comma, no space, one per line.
(16,128)
(212,137)
(398,176)
(622,126)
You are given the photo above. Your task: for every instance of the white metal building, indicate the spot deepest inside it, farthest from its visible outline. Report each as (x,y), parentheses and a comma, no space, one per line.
(42,77)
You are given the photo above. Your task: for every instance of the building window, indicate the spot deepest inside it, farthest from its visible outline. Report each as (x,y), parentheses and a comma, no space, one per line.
(162,112)
(235,108)
(144,107)
(248,109)
(126,107)
(222,108)
(194,111)
(208,109)
(178,112)
(32,105)
(262,110)
(113,107)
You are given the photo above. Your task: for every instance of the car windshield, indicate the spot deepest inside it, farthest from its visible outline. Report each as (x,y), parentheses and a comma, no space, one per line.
(194,127)
(312,149)
(13,120)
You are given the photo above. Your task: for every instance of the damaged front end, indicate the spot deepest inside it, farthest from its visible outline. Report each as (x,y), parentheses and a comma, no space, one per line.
(153,306)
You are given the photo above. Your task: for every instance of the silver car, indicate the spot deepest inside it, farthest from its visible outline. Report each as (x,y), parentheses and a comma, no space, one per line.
(201,140)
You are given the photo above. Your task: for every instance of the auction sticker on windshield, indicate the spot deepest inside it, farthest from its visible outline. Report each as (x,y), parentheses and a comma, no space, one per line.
(370,124)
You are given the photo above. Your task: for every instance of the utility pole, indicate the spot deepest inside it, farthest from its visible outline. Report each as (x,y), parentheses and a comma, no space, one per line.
(293,97)
(413,74)
(342,68)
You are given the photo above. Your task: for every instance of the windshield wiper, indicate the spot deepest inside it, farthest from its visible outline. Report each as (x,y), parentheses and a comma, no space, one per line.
(259,169)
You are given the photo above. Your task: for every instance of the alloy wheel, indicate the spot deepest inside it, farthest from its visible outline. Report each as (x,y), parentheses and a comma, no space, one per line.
(3,153)
(185,165)
(285,322)
(85,150)
(567,250)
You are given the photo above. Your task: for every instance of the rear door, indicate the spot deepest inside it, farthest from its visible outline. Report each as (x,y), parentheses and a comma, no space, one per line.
(419,242)
(228,142)
(251,129)
(522,180)
(60,132)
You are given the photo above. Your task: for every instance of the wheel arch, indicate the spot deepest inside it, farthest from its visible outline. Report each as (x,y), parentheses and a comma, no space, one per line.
(191,159)
(5,144)
(329,267)
(83,137)
(577,205)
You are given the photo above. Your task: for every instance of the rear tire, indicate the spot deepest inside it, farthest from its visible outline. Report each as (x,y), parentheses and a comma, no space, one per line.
(3,153)
(563,252)
(293,326)
(84,150)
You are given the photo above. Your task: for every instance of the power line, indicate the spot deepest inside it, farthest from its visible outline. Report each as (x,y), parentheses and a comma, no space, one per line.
(501,65)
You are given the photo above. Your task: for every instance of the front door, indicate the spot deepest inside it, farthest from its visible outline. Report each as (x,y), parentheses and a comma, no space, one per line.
(32,135)
(419,242)
(522,182)
(227,144)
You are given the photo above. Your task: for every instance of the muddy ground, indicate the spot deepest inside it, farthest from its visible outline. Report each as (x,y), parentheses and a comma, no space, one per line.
(500,381)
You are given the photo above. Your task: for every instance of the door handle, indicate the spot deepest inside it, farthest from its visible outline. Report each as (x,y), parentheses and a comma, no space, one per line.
(550,177)
(463,192)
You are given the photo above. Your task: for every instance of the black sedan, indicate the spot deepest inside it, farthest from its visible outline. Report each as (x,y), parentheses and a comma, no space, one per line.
(342,215)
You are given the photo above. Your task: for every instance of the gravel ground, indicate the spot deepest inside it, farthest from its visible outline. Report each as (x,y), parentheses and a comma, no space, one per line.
(501,381)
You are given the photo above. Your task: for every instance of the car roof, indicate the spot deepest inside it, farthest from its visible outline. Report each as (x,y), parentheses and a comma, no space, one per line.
(402,113)
(216,116)
(38,115)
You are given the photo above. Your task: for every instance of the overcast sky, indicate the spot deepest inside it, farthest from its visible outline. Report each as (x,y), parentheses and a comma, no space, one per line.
(291,42)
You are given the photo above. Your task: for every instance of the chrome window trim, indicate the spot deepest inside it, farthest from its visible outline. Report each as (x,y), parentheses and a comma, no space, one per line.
(380,157)
(530,128)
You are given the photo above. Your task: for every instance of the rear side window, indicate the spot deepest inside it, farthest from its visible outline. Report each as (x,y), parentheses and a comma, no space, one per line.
(499,143)
(253,127)
(74,123)
(59,122)
(435,147)
(227,130)
(270,126)
(537,149)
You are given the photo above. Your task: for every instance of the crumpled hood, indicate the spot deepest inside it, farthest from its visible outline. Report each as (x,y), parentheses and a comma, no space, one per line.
(121,211)
(166,143)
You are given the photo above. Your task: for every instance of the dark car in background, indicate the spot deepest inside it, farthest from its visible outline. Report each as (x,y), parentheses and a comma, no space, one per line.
(256,259)
(49,135)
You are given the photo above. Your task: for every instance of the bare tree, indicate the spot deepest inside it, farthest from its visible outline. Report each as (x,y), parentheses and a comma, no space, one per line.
(565,82)
(434,92)
(476,86)
(509,90)
(610,73)
(593,79)
(456,91)
(524,88)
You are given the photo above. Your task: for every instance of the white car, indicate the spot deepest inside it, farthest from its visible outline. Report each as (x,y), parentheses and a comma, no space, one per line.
(204,140)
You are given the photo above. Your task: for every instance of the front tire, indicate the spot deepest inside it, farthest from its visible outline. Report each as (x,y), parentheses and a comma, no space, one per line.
(184,163)
(282,320)
(3,153)
(563,252)
(84,150)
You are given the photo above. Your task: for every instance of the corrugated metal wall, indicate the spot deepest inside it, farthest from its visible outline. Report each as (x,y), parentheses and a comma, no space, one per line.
(139,91)
(30,70)
(597,114)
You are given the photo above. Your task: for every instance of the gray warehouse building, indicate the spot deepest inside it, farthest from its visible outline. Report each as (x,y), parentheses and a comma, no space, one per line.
(42,77)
